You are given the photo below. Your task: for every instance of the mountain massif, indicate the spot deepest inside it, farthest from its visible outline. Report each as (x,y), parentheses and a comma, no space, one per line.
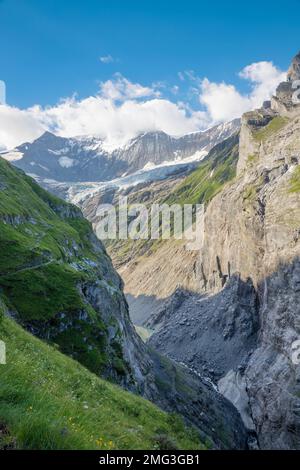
(220,325)
(87,159)
(231,311)
(58,284)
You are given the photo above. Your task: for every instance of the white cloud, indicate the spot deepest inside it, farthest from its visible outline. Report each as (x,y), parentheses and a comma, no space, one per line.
(106,59)
(117,122)
(123,109)
(122,89)
(224,102)
(17,126)
(265,77)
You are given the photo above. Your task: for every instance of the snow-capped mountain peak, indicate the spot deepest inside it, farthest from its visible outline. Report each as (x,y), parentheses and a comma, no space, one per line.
(88,158)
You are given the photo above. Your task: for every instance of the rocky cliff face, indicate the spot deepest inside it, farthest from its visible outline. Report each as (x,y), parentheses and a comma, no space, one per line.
(284,100)
(273,376)
(294,70)
(252,228)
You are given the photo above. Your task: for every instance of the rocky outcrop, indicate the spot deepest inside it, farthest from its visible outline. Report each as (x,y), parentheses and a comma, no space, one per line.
(249,147)
(273,374)
(284,101)
(252,227)
(294,69)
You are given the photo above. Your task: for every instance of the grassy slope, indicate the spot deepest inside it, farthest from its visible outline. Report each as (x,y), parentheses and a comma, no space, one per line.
(295,181)
(213,173)
(46,252)
(274,126)
(37,241)
(49,401)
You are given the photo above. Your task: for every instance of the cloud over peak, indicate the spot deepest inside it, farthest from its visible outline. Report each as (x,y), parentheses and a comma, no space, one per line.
(121,89)
(122,109)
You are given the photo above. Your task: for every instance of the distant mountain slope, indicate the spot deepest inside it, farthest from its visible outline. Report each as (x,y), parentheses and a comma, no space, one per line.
(157,147)
(200,186)
(153,269)
(217,169)
(87,159)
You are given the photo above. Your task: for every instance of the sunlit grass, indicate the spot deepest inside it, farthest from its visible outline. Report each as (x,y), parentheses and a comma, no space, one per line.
(49,401)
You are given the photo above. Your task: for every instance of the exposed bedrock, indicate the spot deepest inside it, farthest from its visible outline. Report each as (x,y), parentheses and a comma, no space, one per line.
(243,330)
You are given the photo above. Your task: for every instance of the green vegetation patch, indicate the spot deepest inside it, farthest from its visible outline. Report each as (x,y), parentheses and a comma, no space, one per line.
(49,401)
(273,127)
(39,293)
(217,169)
(252,160)
(295,181)
(48,255)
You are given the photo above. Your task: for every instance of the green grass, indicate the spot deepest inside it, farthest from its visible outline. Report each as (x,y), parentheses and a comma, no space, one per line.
(48,254)
(217,169)
(295,181)
(250,193)
(252,160)
(40,293)
(49,401)
(273,127)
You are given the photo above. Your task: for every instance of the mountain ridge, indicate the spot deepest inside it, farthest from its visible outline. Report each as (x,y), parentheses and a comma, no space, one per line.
(85,158)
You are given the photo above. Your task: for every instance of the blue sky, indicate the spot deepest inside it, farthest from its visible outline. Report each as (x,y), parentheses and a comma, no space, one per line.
(117,68)
(51,49)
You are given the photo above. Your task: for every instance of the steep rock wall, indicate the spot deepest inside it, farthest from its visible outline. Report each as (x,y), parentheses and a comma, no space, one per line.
(253,228)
